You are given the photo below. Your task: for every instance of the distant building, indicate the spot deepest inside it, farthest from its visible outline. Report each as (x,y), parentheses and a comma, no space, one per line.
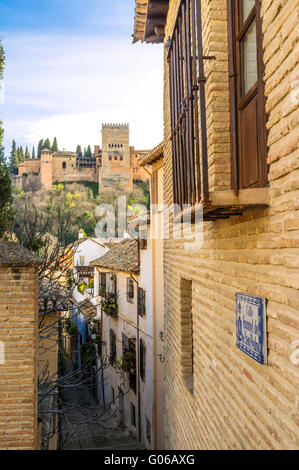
(114,167)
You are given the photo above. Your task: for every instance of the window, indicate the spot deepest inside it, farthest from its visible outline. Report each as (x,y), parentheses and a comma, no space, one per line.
(112,347)
(249,139)
(130,290)
(103,284)
(142,360)
(141,302)
(187,107)
(64,165)
(148,429)
(143,239)
(113,284)
(110,158)
(186,333)
(82,260)
(121,158)
(129,356)
(115,158)
(133,414)
(188,103)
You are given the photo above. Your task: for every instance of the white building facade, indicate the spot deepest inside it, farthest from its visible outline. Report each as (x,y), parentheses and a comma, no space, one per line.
(123,277)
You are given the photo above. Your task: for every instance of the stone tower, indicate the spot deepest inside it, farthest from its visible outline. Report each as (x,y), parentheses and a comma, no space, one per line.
(46,169)
(116,174)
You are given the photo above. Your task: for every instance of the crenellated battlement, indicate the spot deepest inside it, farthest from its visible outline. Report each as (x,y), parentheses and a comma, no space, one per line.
(115,126)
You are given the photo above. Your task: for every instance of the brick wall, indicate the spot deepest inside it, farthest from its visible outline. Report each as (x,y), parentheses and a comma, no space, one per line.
(236,402)
(18,387)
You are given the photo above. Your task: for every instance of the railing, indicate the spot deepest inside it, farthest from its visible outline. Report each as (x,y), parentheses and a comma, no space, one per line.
(188,106)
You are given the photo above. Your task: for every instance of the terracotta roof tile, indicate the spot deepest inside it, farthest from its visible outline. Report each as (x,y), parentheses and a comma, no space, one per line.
(121,257)
(13,254)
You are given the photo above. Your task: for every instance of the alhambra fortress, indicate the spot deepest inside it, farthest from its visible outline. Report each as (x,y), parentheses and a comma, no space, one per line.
(114,167)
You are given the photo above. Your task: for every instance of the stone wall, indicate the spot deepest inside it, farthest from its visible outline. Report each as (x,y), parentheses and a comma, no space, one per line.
(18,334)
(237,403)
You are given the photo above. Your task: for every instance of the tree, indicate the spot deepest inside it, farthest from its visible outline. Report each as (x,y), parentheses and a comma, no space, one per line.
(14,158)
(79,151)
(27,154)
(21,155)
(33,154)
(88,152)
(6,213)
(40,148)
(54,147)
(47,144)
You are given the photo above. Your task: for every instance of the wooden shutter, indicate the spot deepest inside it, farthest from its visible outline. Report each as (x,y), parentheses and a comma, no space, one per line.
(142,359)
(247,95)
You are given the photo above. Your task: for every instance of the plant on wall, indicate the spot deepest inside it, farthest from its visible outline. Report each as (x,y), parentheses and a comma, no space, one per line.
(109,304)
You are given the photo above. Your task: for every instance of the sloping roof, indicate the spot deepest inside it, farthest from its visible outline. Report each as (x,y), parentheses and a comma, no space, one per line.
(87,309)
(64,153)
(150,19)
(53,297)
(121,257)
(153,155)
(81,240)
(84,271)
(13,254)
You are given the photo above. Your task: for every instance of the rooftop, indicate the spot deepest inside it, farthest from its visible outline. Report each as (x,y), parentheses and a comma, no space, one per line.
(13,254)
(153,155)
(150,20)
(121,257)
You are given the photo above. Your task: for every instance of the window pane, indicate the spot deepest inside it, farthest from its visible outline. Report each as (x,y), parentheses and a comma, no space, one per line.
(247,7)
(250,58)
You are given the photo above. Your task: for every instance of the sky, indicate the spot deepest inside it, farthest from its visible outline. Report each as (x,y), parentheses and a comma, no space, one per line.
(71,66)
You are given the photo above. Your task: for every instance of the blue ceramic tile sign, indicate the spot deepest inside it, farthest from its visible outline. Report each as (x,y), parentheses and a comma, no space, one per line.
(251,326)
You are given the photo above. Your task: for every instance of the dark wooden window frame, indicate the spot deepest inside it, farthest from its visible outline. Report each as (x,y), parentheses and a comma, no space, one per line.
(112,347)
(103,283)
(133,414)
(188,109)
(130,290)
(148,429)
(236,32)
(142,356)
(141,302)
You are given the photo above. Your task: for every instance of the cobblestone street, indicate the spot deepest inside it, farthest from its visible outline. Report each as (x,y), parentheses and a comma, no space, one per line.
(88,427)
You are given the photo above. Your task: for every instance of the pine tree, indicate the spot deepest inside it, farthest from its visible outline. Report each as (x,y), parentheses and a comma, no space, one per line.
(88,153)
(84,153)
(40,148)
(6,213)
(55,145)
(47,144)
(79,151)
(27,154)
(14,159)
(21,155)
(33,153)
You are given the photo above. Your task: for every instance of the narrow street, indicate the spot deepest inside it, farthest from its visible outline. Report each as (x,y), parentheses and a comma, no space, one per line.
(85,426)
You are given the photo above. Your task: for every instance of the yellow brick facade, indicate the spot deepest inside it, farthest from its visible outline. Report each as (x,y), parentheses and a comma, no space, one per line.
(18,375)
(236,402)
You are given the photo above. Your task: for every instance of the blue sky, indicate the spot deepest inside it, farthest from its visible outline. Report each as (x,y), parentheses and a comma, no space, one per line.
(71,65)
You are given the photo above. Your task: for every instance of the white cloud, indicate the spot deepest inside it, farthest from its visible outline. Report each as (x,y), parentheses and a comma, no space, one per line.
(67,85)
